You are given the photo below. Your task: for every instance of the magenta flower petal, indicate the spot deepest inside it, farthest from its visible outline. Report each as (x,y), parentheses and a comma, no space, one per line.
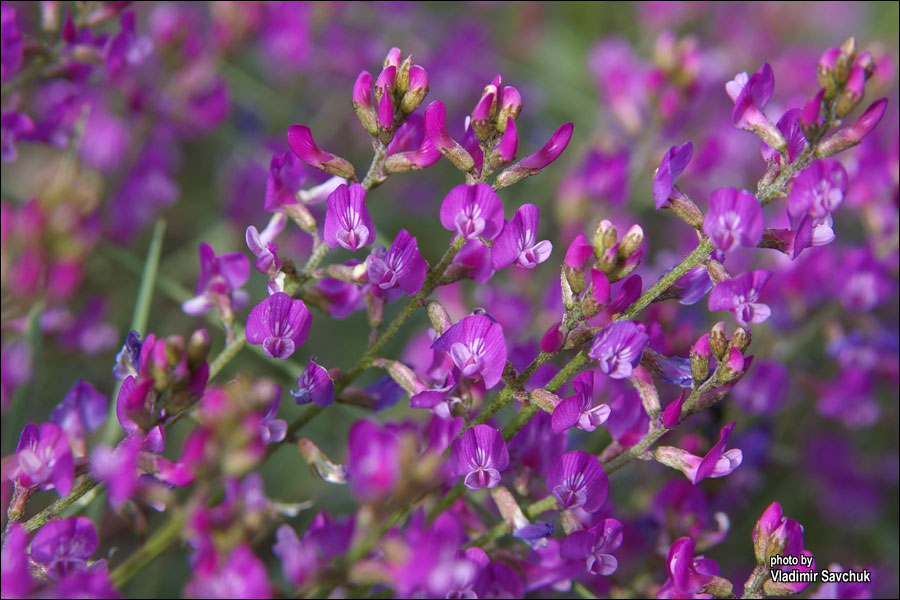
(373,458)
(304,146)
(44,459)
(552,150)
(576,479)
(673,164)
(402,266)
(517,243)
(618,348)
(314,385)
(347,220)
(64,546)
(472,211)
(734,219)
(718,462)
(280,324)
(477,347)
(479,456)
(741,296)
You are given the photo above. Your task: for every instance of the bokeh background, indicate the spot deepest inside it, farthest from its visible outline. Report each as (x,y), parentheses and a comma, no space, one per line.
(634,78)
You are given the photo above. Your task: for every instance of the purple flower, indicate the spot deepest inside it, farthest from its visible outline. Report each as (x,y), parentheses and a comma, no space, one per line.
(118,467)
(854,134)
(286,176)
(323,540)
(243,575)
(273,430)
(341,297)
(263,246)
(302,143)
(479,455)
(64,546)
(402,266)
(718,462)
(688,575)
(436,132)
(818,191)
(741,296)
(82,410)
(536,446)
(13,127)
(776,534)
(11,42)
(44,459)
(576,479)
(128,356)
(578,252)
(219,282)
(628,421)
(410,149)
(578,410)
(552,150)
(347,220)
(735,218)
(619,347)
(473,211)
(763,390)
(693,285)
(789,126)
(750,95)
(16,573)
(477,347)
(280,324)
(314,385)
(517,243)
(595,547)
(372,460)
(673,164)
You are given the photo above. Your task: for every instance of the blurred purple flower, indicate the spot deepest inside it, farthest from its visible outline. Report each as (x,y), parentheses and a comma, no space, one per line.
(64,546)
(44,459)
(735,218)
(595,547)
(372,460)
(673,164)
(219,282)
(688,575)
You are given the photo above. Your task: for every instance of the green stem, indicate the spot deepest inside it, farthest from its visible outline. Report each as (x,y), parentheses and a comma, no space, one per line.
(43,517)
(139,317)
(228,352)
(375,176)
(14,420)
(161,540)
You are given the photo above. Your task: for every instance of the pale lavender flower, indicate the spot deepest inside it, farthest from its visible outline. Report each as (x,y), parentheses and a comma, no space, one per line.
(789,126)
(314,385)
(64,546)
(473,211)
(242,575)
(219,282)
(673,164)
(595,547)
(280,324)
(577,480)
(619,347)
(480,455)
(750,95)
(44,459)
(400,267)
(693,285)
(734,219)
(118,467)
(347,220)
(272,429)
(578,410)
(741,296)
(477,347)
(818,191)
(263,246)
(518,244)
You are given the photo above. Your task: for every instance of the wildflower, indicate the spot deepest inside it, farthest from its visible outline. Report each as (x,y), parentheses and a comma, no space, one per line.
(480,455)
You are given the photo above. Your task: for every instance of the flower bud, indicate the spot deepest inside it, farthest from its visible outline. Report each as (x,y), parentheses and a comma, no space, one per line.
(686,210)
(481,116)
(717,340)
(717,272)
(643,383)
(418,89)
(740,339)
(719,587)
(319,463)
(575,278)
(700,354)
(393,58)
(825,71)
(851,136)
(440,320)
(362,102)
(605,236)
(544,400)
(197,348)
(402,374)
(510,107)
(401,84)
(733,367)
(631,242)
(762,533)
(853,91)
(568,294)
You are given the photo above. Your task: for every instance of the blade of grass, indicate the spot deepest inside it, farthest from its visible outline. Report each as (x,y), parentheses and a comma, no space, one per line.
(15,418)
